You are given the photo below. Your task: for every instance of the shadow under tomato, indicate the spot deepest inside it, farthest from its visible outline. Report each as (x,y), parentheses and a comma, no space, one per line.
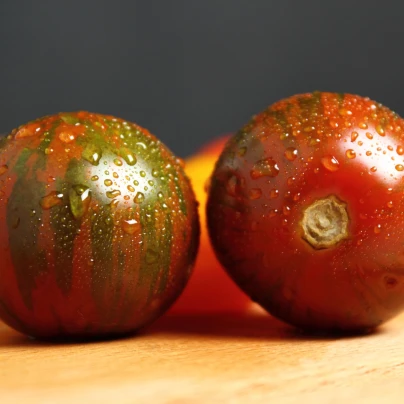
(249,326)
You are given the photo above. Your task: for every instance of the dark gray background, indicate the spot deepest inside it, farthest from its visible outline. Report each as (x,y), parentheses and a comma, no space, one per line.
(189,70)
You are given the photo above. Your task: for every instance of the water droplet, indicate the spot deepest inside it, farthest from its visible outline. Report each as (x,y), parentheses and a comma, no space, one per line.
(160,195)
(130,188)
(66,136)
(274,193)
(330,163)
(363,125)
(273,213)
(291,180)
(373,169)
(79,198)
(142,174)
(308,129)
(108,182)
(130,226)
(344,112)
(135,183)
(354,136)
(255,193)
(389,204)
(139,198)
(3,169)
(389,190)
(291,153)
(51,200)
(92,154)
(155,173)
(380,130)
(360,143)
(48,151)
(399,167)
(128,156)
(115,175)
(286,210)
(369,135)
(265,168)
(118,162)
(400,150)
(368,153)
(114,204)
(113,194)
(95,178)
(389,147)
(350,153)
(232,186)
(296,196)
(25,132)
(377,229)
(151,256)
(242,151)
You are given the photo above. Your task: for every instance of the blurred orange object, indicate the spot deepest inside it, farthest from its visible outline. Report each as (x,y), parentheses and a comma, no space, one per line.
(210,289)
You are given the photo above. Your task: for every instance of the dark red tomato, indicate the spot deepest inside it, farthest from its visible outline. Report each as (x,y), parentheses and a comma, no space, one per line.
(98,226)
(306,211)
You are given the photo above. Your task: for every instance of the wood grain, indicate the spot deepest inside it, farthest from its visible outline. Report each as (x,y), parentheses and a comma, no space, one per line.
(223,358)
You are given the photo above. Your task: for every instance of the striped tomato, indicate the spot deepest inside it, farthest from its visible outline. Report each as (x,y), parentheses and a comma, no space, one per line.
(98,226)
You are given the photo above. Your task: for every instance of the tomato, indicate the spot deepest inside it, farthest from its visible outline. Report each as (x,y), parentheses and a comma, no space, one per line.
(306,211)
(99,227)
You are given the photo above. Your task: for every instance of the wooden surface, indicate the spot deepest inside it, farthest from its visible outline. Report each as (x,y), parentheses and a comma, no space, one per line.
(207,359)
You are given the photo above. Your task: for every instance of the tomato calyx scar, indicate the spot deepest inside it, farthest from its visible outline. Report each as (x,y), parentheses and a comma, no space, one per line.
(325,222)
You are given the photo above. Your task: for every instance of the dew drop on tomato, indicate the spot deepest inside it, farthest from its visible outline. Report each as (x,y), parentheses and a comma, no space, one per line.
(291,153)
(330,163)
(350,153)
(51,200)
(354,136)
(3,169)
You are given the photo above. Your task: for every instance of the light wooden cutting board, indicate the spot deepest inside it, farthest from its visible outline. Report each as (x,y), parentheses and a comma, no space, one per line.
(207,359)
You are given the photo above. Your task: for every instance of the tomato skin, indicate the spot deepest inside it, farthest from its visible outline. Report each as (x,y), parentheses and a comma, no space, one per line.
(301,150)
(99,227)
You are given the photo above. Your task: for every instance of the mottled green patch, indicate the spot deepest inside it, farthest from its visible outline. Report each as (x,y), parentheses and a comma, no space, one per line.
(340,98)
(102,234)
(23,203)
(166,243)
(280,118)
(65,227)
(70,119)
(28,261)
